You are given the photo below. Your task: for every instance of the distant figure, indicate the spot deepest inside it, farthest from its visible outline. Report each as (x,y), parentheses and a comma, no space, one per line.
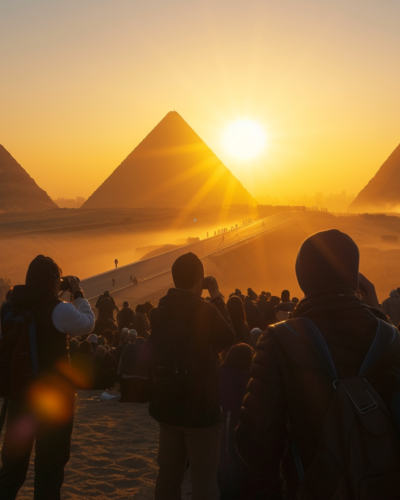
(113,282)
(116,263)
(125,317)
(238,317)
(285,307)
(253,315)
(135,281)
(106,305)
(391,307)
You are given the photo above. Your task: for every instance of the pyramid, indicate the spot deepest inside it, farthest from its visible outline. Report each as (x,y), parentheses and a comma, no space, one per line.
(382,193)
(171,167)
(18,191)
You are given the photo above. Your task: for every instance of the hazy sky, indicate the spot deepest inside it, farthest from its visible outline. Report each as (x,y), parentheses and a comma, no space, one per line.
(83,81)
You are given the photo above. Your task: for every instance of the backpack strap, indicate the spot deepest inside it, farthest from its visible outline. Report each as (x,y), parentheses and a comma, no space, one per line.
(384,336)
(305,328)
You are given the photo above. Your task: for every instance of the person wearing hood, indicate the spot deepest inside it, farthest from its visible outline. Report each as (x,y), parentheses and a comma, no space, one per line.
(391,307)
(55,321)
(286,403)
(189,414)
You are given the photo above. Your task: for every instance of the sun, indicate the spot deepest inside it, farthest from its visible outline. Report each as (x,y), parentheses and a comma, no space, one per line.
(244,139)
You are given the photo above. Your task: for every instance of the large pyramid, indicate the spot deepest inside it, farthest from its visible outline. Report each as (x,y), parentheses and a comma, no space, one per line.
(382,193)
(171,167)
(18,191)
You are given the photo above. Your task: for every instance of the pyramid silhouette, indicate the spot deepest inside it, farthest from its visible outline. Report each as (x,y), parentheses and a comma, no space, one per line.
(382,193)
(171,167)
(18,191)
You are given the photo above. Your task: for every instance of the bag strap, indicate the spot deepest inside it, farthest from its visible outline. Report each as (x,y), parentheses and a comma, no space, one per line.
(384,336)
(305,328)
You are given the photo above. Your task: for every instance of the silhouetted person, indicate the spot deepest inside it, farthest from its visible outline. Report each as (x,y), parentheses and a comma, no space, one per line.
(187,333)
(133,371)
(238,318)
(116,263)
(253,314)
(285,307)
(105,305)
(125,317)
(234,375)
(290,392)
(50,430)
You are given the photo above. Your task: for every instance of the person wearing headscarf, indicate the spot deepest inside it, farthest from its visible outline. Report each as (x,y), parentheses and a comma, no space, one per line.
(289,394)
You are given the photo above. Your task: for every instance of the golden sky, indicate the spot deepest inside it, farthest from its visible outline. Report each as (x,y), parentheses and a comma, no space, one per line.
(82,82)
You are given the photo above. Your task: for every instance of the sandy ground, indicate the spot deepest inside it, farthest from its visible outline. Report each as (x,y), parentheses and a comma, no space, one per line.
(113,452)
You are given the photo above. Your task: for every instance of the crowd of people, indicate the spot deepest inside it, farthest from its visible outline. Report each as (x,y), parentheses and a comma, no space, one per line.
(261,396)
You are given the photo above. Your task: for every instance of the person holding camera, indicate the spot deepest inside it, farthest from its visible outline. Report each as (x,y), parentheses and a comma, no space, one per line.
(187,334)
(42,410)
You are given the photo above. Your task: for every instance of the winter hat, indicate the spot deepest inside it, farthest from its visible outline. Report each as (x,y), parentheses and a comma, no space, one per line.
(187,270)
(327,259)
(93,338)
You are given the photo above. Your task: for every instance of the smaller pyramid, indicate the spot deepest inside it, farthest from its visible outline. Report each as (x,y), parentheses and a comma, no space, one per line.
(18,191)
(382,193)
(171,167)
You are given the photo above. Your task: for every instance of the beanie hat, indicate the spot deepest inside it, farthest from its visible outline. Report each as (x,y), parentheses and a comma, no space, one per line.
(186,270)
(327,259)
(93,338)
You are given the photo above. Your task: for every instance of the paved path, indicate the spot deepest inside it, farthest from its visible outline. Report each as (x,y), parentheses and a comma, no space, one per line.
(153,267)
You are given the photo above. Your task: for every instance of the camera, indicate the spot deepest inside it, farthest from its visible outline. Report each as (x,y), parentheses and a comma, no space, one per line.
(207,283)
(65,283)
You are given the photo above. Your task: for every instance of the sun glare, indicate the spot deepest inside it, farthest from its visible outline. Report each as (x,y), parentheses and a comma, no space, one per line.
(244,139)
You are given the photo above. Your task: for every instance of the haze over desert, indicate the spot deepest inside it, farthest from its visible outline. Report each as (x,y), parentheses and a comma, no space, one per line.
(199,250)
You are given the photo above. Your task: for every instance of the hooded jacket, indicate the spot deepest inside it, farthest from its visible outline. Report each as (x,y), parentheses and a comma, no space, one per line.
(208,333)
(286,403)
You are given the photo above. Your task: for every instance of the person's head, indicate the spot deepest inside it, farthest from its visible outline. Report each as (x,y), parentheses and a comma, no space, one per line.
(125,304)
(85,347)
(106,293)
(268,295)
(109,336)
(239,356)
(398,291)
(327,260)
(101,340)
(256,334)
(274,300)
(252,294)
(94,340)
(188,273)
(147,307)
(43,271)
(132,335)
(270,314)
(285,296)
(295,300)
(101,352)
(394,294)
(124,334)
(236,309)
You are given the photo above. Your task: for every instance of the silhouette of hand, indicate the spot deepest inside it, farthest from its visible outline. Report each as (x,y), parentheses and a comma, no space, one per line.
(213,288)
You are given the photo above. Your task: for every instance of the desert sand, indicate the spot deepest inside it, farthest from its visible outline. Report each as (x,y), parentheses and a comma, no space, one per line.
(113,452)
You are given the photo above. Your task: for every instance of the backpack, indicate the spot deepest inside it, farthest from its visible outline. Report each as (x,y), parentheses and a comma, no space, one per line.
(18,353)
(170,356)
(359,450)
